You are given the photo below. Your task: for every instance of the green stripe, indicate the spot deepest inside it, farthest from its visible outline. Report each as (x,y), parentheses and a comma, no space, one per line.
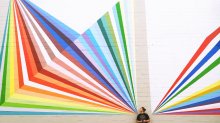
(110,46)
(4,76)
(24,105)
(108,24)
(125,44)
(209,68)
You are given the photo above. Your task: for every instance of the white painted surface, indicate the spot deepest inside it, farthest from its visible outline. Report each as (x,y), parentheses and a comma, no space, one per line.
(175,30)
(78,14)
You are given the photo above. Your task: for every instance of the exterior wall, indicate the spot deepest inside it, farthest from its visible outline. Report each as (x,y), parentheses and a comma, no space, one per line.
(143,90)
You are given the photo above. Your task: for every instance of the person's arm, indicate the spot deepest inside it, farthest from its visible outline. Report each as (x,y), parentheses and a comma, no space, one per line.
(147,121)
(138,121)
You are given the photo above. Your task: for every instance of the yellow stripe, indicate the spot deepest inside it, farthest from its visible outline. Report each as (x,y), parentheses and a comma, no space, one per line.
(12,75)
(10,64)
(206,90)
(20,98)
(12,52)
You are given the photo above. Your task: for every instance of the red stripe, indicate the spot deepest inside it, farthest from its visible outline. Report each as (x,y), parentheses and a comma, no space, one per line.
(67,55)
(20,76)
(33,71)
(215,111)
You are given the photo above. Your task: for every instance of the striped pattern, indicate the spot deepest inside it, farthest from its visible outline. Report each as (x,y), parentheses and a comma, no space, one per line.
(48,68)
(191,93)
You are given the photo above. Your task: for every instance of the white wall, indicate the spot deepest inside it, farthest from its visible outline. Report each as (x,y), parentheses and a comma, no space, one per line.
(175,30)
(143,95)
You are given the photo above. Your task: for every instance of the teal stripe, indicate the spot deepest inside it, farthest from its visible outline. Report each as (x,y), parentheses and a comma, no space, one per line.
(3,47)
(101,41)
(4,39)
(4,76)
(125,45)
(103,57)
(112,49)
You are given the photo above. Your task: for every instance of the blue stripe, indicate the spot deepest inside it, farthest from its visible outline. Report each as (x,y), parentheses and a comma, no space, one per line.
(72,34)
(4,37)
(92,54)
(57,37)
(198,66)
(205,102)
(93,40)
(203,98)
(72,52)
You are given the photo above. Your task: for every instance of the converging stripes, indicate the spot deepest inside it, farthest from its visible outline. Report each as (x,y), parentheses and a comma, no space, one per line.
(206,60)
(48,68)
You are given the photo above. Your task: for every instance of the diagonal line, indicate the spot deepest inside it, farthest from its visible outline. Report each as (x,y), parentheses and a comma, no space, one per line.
(101,25)
(85,61)
(213,51)
(209,68)
(201,103)
(192,60)
(3,91)
(209,91)
(214,111)
(4,37)
(71,91)
(125,44)
(89,36)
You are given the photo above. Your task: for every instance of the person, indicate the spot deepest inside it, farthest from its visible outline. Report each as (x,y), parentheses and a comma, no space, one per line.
(143,117)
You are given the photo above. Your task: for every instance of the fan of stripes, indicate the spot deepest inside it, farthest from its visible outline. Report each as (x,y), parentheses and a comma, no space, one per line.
(196,91)
(48,68)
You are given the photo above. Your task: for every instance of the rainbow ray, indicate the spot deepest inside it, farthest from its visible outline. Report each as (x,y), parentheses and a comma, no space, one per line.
(48,68)
(200,100)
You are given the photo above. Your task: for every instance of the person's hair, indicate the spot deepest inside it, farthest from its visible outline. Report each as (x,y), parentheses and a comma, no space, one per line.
(144,109)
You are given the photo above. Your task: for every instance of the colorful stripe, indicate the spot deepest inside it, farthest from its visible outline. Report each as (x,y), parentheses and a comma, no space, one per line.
(45,65)
(201,64)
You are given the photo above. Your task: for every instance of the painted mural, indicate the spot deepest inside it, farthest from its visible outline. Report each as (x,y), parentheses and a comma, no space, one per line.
(184,56)
(48,67)
(202,100)
(66,57)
